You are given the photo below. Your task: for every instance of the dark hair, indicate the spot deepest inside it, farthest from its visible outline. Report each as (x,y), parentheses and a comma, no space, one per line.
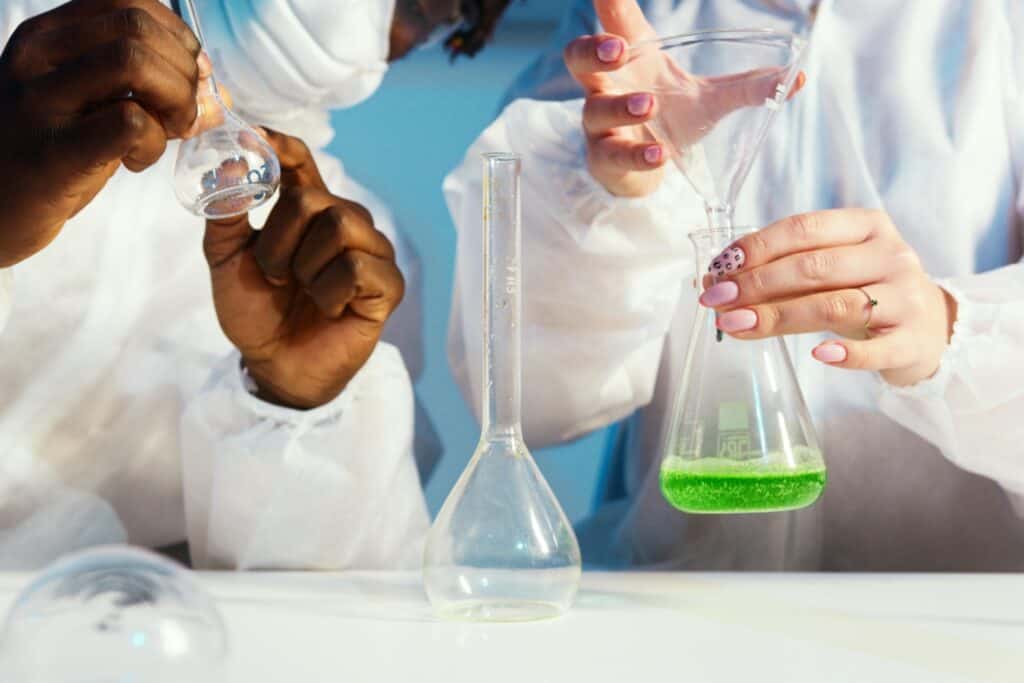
(479,19)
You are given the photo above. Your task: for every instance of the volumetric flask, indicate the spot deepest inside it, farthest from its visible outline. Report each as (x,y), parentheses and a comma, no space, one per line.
(741,439)
(227,170)
(113,615)
(501,548)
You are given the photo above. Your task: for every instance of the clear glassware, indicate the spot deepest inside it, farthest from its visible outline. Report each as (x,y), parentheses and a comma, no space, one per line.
(740,438)
(501,548)
(227,170)
(717,93)
(113,615)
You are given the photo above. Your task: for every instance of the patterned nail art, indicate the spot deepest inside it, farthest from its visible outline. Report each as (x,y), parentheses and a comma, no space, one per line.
(728,262)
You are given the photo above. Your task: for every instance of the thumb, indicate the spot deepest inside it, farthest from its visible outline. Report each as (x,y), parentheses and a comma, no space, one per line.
(226,239)
(624,18)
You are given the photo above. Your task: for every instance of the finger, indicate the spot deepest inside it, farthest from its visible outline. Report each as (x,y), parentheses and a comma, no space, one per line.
(615,153)
(109,73)
(885,352)
(359,283)
(334,230)
(848,312)
(64,43)
(120,130)
(588,58)
(722,95)
(297,164)
(820,270)
(602,113)
(281,235)
(624,18)
(803,232)
(79,11)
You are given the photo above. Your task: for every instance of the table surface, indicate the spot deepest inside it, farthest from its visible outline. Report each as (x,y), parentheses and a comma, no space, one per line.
(626,627)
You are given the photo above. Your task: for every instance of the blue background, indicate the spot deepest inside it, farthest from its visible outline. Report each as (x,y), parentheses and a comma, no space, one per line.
(403,157)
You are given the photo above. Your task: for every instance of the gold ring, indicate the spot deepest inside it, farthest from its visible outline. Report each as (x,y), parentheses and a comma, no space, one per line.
(872,303)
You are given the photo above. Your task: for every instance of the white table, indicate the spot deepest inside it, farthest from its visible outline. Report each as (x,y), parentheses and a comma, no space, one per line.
(628,628)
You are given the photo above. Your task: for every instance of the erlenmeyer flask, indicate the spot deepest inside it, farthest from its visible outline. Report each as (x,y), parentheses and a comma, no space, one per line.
(227,170)
(741,439)
(501,548)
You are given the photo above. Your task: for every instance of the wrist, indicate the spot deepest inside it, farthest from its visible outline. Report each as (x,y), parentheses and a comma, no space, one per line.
(262,384)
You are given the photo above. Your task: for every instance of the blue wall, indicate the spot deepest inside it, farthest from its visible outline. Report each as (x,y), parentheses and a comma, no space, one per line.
(401,143)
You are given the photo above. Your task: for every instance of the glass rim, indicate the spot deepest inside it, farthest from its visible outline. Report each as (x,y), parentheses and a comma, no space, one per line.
(735,231)
(751,35)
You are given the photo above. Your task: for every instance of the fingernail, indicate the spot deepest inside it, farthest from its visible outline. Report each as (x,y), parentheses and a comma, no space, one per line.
(609,50)
(639,104)
(652,154)
(737,321)
(830,353)
(729,261)
(205,65)
(720,294)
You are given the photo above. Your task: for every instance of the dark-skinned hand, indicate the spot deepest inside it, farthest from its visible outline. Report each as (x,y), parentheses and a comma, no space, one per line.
(304,299)
(85,88)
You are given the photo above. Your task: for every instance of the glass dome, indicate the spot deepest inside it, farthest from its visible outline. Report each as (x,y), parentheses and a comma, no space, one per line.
(113,615)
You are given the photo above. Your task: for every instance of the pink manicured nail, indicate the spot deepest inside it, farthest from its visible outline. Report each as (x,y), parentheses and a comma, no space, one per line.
(609,50)
(720,294)
(639,104)
(830,353)
(737,321)
(729,261)
(652,154)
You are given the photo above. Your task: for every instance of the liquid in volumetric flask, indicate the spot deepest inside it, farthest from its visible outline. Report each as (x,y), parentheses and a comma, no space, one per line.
(501,548)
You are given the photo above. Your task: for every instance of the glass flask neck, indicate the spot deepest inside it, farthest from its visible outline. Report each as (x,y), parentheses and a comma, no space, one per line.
(190,15)
(502,388)
(719,215)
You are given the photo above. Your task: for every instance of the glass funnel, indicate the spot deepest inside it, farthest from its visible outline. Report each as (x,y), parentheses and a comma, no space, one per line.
(741,439)
(716,94)
(113,615)
(501,548)
(229,169)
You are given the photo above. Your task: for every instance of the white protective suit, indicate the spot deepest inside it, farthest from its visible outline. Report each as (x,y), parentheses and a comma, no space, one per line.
(912,106)
(111,337)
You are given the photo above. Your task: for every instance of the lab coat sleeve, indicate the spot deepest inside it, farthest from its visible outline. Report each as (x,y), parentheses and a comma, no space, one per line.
(601,276)
(6,292)
(332,488)
(973,407)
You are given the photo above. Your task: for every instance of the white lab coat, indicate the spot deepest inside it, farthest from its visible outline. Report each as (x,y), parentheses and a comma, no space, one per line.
(124,416)
(912,106)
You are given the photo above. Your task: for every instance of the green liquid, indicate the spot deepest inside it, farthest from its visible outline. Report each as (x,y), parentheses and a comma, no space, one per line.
(718,485)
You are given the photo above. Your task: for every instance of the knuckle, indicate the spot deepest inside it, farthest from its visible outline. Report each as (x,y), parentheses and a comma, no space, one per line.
(803,227)
(906,258)
(756,245)
(836,310)
(19,55)
(756,283)
(133,22)
(131,118)
(817,265)
(770,318)
(129,56)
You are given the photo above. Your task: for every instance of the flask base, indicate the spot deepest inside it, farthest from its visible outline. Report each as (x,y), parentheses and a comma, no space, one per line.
(729,490)
(500,611)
